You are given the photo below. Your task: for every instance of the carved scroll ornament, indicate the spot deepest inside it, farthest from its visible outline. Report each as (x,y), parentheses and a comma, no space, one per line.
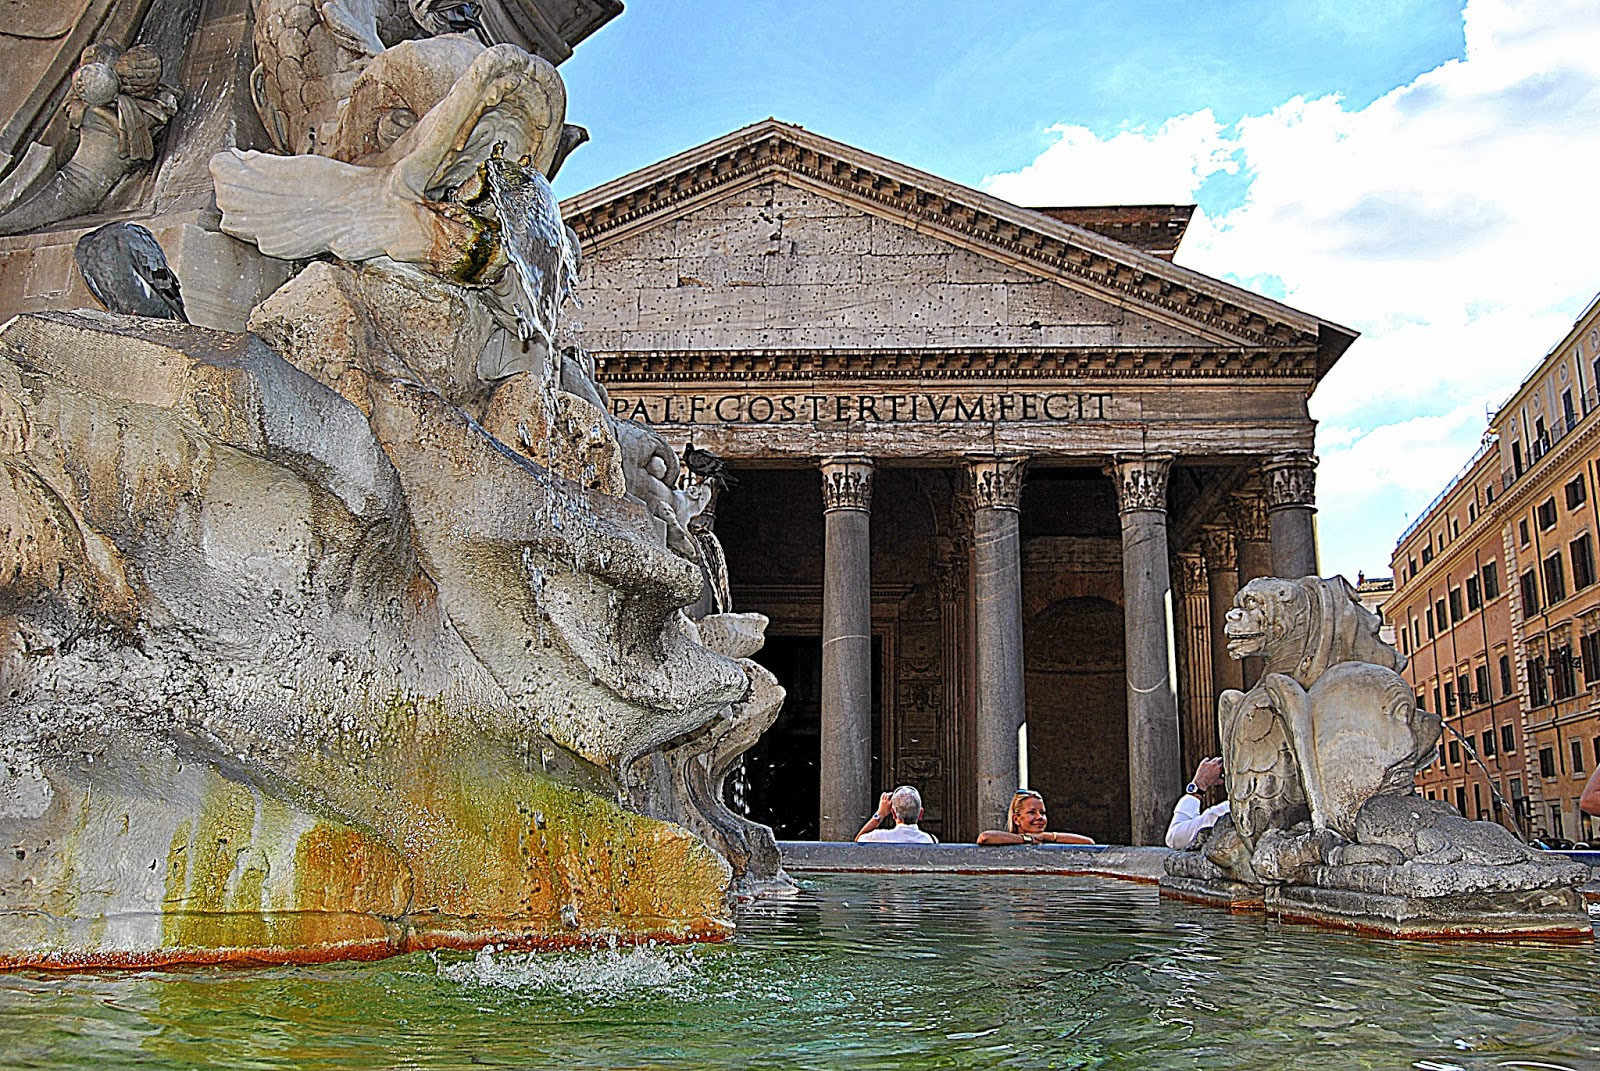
(847,482)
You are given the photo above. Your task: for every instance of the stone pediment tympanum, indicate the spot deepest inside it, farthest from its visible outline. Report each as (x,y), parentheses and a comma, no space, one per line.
(852,252)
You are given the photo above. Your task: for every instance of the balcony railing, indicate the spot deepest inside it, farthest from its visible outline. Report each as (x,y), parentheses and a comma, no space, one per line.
(1541,445)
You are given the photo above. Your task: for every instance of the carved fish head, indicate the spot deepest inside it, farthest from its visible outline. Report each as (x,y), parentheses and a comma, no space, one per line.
(401,176)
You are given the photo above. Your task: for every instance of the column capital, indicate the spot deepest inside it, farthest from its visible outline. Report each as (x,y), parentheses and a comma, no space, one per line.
(1249,511)
(1141,481)
(1191,572)
(1291,481)
(847,482)
(1221,550)
(996,481)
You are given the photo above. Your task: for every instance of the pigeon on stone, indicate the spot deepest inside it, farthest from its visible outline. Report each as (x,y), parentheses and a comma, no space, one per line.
(126,270)
(708,467)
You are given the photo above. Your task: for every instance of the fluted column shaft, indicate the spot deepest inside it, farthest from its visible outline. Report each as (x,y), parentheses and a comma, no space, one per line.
(846,787)
(1197,711)
(1253,536)
(997,594)
(1291,481)
(1222,573)
(1154,780)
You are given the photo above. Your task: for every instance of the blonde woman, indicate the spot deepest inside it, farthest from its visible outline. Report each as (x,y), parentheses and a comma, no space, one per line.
(1026,824)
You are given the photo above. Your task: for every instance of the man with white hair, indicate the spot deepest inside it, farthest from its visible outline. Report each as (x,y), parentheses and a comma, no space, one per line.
(905,804)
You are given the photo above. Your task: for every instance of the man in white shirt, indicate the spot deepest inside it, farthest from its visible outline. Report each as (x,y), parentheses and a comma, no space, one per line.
(1188,820)
(905,804)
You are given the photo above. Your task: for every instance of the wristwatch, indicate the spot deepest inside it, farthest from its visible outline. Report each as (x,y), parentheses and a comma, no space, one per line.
(1192,789)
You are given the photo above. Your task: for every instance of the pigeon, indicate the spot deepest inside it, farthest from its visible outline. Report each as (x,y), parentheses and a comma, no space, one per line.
(127,272)
(708,466)
(572,135)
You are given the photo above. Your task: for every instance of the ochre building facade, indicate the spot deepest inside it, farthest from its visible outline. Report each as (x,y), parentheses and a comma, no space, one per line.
(1000,471)
(1496,602)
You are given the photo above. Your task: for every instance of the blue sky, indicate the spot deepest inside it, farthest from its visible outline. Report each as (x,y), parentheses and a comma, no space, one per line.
(1408,169)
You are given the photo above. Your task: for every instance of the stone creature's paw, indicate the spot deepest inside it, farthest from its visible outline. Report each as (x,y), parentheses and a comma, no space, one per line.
(1282,855)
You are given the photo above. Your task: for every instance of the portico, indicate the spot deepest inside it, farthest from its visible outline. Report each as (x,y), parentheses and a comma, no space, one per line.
(998,468)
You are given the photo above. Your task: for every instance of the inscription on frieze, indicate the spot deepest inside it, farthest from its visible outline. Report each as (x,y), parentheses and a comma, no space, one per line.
(909,407)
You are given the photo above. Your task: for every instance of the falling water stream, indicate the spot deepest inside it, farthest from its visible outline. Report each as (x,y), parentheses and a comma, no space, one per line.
(863,971)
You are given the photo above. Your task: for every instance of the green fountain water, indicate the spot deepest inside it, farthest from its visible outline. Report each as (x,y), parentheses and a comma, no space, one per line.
(866,972)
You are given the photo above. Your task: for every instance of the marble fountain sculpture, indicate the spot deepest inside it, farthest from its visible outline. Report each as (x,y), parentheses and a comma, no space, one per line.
(1325,823)
(361,632)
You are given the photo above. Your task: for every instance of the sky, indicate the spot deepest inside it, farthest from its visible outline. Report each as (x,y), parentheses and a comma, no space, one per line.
(1420,171)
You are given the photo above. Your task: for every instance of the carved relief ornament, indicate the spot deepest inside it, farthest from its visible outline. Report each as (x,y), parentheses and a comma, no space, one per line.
(847,482)
(997,482)
(1291,481)
(1191,573)
(1221,550)
(1141,481)
(1249,511)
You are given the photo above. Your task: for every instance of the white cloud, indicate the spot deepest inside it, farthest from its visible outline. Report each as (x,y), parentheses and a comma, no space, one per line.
(1450,221)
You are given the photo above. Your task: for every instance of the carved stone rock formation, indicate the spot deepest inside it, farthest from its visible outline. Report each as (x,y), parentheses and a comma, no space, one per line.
(342,637)
(1324,821)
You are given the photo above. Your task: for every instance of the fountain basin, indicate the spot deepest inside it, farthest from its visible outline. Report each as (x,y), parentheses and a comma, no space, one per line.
(877,970)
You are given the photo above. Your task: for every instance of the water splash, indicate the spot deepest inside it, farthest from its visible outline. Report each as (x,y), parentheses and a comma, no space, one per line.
(601,976)
(536,242)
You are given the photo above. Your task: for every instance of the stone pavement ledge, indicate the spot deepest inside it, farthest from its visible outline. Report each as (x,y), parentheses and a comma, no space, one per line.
(1113,861)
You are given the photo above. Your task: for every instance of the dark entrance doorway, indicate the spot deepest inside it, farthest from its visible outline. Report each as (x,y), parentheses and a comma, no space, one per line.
(782,773)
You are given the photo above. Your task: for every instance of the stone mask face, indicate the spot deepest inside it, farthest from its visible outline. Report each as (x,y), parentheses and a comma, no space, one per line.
(1261,615)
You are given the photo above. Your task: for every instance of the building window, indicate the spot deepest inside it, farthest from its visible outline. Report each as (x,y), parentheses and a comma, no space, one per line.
(1455,528)
(1547,762)
(1464,691)
(1474,594)
(1455,605)
(1530,595)
(1481,678)
(1461,799)
(1436,707)
(1472,512)
(1488,494)
(1522,532)
(1577,757)
(1491,581)
(1589,646)
(1455,753)
(1405,646)
(1564,681)
(1429,614)
(1416,637)
(1555,578)
(1441,542)
(1422,701)
(1582,562)
(1507,685)
(1438,614)
(1427,554)
(1450,699)
(1576,492)
(1597,749)
(1488,742)
(1508,739)
(1546,514)
(1538,687)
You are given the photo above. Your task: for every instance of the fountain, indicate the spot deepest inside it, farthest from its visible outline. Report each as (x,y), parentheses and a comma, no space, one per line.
(361,632)
(1324,820)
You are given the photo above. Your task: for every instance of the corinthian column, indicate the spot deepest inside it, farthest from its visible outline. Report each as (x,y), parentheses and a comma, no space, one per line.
(997,595)
(1222,570)
(846,789)
(1291,481)
(1154,778)
(1197,711)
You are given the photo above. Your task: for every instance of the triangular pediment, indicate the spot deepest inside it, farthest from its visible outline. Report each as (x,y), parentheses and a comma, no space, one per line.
(840,236)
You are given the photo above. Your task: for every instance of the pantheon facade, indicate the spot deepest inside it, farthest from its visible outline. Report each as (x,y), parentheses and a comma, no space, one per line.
(1000,471)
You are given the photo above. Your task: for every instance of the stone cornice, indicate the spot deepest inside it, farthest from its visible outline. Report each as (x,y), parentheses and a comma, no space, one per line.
(1030,240)
(660,366)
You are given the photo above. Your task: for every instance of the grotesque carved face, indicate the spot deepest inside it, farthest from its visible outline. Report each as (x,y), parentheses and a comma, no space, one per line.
(1261,614)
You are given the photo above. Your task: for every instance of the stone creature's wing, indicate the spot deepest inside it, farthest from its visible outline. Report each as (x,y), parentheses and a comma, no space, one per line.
(1264,787)
(301,206)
